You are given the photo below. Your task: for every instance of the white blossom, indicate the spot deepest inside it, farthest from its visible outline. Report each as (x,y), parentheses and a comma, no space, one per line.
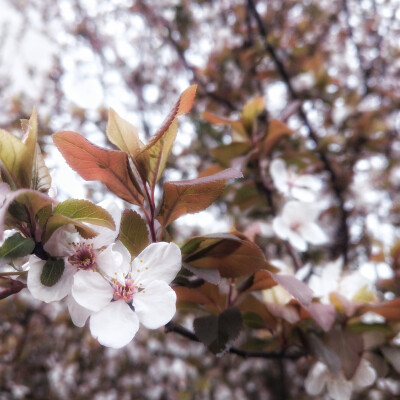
(297,225)
(291,184)
(124,294)
(338,387)
(78,254)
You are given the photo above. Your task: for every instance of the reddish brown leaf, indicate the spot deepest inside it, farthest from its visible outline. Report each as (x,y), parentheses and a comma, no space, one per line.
(206,295)
(276,130)
(94,163)
(9,287)
(193,195)
(231,254)
(262,280)
(389,310)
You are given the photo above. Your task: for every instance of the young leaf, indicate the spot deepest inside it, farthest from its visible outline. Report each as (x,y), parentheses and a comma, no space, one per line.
(219,332)
(207,295)
(193,195)
(123,134)
(31,201)
(152,158)
(52,272)
(133,232)
(9,287)
(225,154)
(57,221)
(94,163)
(85,211)
(236,125)
(14,160)
(298,289)
(251,111)
(16,246)
(231,254)
(41,179)
(276,130)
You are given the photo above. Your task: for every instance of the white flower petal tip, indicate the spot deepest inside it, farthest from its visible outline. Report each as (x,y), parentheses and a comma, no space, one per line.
(44,293)
(115,325)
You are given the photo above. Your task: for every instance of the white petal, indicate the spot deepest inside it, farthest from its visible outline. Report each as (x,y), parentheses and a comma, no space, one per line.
(297,241)
(91,290)
(158,261)
(115,325)
(113,263)
(279,175)
(313,234)
(156,305)
(280,228)
(79,314)
(59,244)
(105,235)
(316,379)
(365,375)
(302,194)
(308,181)
(48,293)
(339,388)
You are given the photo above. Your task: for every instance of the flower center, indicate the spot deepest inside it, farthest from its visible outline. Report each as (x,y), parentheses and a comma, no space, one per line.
(84,256)
(124,292)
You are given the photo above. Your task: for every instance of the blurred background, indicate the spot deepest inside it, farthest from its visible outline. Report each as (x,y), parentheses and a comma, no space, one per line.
(329,69)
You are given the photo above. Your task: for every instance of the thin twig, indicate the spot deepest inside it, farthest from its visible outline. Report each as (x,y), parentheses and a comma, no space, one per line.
(174,327)
(343,230)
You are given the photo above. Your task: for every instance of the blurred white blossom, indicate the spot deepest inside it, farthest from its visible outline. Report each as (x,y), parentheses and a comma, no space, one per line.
(338,387)
(291,184)
(297,225)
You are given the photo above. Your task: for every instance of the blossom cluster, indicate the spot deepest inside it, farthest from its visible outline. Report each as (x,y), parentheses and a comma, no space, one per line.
(103,284)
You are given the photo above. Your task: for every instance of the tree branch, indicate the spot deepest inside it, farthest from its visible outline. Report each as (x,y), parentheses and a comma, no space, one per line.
(179,329)
(337,186)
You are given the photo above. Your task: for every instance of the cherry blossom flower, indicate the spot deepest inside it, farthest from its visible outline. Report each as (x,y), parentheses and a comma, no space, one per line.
(349,290)
(78,254)
(297,225)
(339,388)
(291,184)
(124,294)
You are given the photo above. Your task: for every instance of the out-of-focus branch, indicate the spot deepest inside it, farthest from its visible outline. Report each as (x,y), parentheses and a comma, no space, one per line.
(179,329)
(343,230)
(149,13)
(364,72)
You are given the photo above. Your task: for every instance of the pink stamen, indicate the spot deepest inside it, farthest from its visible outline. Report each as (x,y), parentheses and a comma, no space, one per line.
(84,256)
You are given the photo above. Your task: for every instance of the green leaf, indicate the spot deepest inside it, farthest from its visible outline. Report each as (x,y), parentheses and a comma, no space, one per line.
(133,232)
(253,320)
(219,332)
(52,272)
(14,160)
(16,246)
(251,111)
(85,211)
(192,195)
(225,154)
(57,221)
(30,202)
(41,179)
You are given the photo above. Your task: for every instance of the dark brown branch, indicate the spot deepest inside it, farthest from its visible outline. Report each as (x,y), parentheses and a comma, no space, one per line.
(364,72)
(337,185)
(179,329)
